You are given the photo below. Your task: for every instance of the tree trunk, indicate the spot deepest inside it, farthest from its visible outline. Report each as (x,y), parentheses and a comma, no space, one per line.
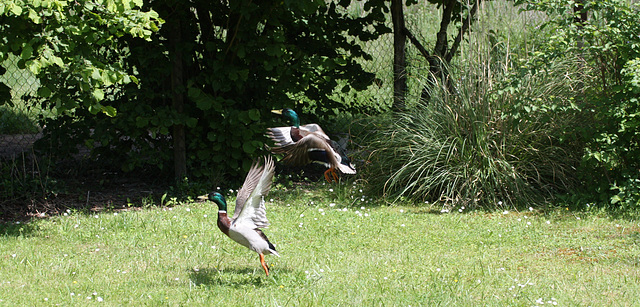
(399,56)
(177,99)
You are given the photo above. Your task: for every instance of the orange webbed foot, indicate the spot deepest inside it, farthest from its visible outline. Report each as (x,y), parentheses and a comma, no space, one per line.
(264,264)
(332,172)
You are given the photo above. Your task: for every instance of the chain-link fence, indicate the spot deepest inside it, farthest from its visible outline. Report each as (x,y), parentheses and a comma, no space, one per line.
(19,126)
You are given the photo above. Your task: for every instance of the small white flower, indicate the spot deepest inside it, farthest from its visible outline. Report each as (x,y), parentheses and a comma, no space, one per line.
(96,216)
(366,214)
(500,203)
(505,212)
(321,271)
(530,208)
(188,210)
(401,210)
(205,215)
(344,209)
(402,225)
(99,299)
(320,209)
(301,215)
(332,205)
(330,190)
(548,222)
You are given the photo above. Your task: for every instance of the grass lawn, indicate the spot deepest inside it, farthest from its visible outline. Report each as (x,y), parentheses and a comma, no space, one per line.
(337,248)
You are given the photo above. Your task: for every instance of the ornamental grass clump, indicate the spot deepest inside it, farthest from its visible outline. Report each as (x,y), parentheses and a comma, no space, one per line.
(485,140)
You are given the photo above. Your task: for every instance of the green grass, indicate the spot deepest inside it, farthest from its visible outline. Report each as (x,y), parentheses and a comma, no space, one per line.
(354,253)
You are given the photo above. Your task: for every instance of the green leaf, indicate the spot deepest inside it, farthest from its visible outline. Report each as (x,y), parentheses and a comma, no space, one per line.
(248,147)
(110,111)
(27,52)
(16,9)
(44,92)
(254,114)
(98,94)
(141,122)
(33,15)
(191,122)
(615,199)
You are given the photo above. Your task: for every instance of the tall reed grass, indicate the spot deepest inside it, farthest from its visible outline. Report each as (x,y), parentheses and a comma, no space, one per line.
(503,136)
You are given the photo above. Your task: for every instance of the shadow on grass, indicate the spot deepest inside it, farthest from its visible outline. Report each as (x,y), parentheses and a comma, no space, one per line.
(234,277)
(16,229)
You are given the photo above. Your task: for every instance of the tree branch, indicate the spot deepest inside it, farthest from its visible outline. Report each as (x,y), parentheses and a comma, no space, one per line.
(417,44)
(441,38)
(466,24)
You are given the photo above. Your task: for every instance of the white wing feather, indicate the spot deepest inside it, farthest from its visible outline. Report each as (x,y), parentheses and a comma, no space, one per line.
(253,212)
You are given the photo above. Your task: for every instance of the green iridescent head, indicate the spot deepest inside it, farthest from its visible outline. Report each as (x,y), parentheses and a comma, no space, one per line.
(219,200)
(290,115)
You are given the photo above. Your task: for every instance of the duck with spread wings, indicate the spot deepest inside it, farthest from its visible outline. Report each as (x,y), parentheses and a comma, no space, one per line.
(250,213)
(308,143)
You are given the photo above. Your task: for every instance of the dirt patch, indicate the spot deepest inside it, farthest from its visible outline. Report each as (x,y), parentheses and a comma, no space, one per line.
(88,197)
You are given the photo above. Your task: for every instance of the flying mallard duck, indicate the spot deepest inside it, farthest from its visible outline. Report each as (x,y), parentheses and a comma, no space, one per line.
(302,145)
(250,214)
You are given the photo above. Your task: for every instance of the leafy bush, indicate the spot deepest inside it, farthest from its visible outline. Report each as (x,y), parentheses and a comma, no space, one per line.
(608,43)
(239,60)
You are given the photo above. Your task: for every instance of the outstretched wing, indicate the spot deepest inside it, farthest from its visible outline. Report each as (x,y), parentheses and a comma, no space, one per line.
(298,153)
(250,203)
(280,135)
(313,129)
